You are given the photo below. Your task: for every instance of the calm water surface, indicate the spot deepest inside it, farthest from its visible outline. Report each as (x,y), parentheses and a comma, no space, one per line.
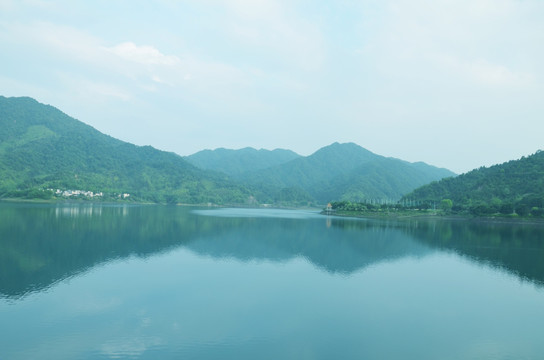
(155,282)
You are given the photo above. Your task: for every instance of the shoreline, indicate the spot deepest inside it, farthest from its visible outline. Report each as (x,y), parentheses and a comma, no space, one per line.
(71,201)
(449,217)
(371,216)
(119,202)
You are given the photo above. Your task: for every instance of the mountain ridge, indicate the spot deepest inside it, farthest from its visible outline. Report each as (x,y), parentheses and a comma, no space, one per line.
(327,174)
(235,162)
(43,148)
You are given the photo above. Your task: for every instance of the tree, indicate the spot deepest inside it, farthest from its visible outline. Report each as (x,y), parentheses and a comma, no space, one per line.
(446,205)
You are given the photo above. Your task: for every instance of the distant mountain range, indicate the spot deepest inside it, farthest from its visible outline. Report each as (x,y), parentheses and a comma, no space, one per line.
(338,171)
(237,162)
(42,148)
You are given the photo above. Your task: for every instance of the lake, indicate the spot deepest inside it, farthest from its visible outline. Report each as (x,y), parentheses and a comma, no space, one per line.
(94,281)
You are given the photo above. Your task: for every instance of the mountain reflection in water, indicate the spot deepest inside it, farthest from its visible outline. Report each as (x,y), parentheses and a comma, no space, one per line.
(41,245)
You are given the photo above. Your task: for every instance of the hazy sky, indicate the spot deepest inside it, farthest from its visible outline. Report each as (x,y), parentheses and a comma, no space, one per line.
(454,83)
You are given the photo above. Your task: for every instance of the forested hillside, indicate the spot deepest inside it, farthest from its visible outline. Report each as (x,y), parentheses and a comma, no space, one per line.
(42,148)
(345,172)
(238,162)
(515,187)
(45,153)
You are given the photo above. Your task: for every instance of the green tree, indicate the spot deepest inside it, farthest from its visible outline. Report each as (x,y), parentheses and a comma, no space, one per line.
(446,205)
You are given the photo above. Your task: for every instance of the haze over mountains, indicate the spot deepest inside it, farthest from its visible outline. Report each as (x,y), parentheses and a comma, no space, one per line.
(237,162)
(338,171)
(42,148)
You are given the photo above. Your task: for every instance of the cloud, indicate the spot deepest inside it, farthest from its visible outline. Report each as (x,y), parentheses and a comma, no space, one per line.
(482,72)
(7,5)
(11,5)
(490,74)
(278,31)
(490,42)
(109,70)
(255,9)
(143,54)
(93,90)
(53,40)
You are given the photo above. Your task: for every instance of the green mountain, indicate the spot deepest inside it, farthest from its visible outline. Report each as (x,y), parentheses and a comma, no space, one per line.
(43,148)
(237,162)
(515,187)
(385,178)
(345,172)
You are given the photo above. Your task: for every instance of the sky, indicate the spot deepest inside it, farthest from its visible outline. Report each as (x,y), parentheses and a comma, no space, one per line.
(455,83)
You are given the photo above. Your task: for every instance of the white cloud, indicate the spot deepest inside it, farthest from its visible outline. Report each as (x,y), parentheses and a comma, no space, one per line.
(157,79)
(278,30)
(255,9)
(483,72)
(10,5)
(7,5)
(110,69)
(93,91)
(143,54)
(55,40)
(492,8)
(492,42)
(494,74)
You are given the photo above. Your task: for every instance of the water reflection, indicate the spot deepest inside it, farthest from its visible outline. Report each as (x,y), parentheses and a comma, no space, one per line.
(516,248)
(73,211)
(42,244)
(336,249)
(90,209)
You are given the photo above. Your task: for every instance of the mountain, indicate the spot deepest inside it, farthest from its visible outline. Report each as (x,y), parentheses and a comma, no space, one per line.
(237,162)
(385,178)
(347,172)
(43,148)
(514,187)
